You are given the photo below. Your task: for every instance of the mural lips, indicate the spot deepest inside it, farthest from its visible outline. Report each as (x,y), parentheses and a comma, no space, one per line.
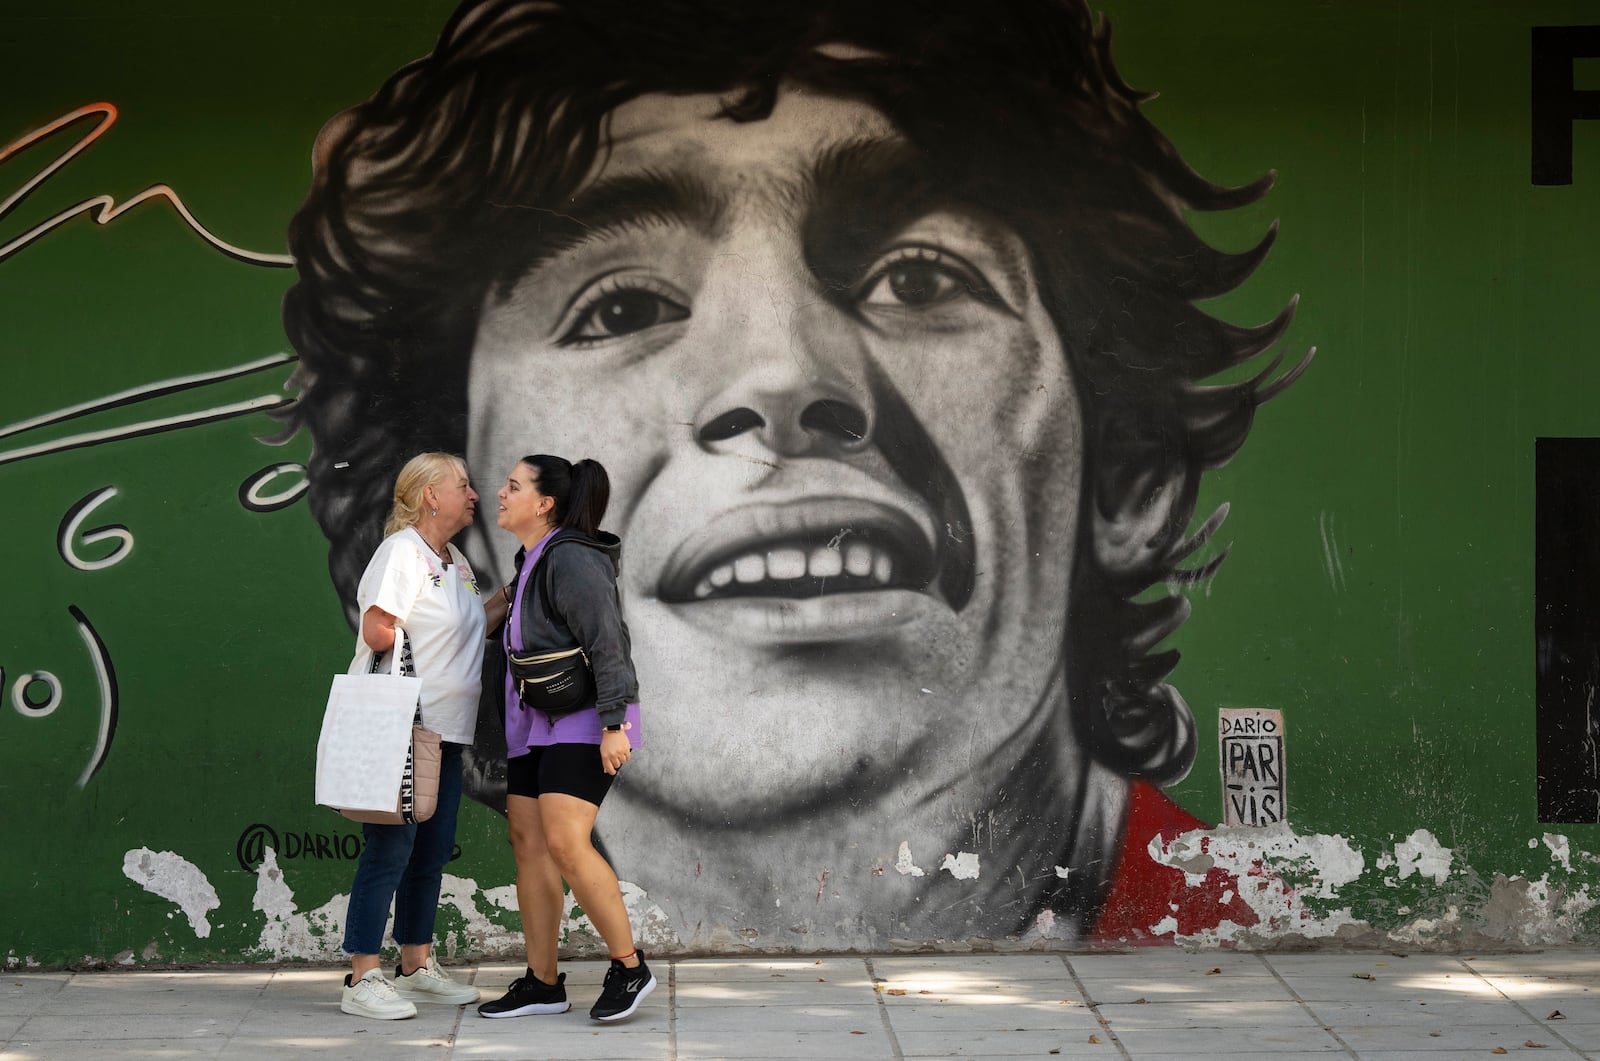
(812,569)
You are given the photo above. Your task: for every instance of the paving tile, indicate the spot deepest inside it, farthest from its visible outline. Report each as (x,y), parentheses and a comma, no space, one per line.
(984,993)
(325,1020)
(42,1027)
(715,970)
(1186,987)
(1269,1013)
(1168,1042)
(839,1042)
(769,993)
(1555,1050)
(216,994)
(706,1020)
(1584,1035)
(1540,987)
(110,1050)
(568,1039)
(1583,1009)
(1165,963)
(1457,1039)
(1016,966)
(1412,1011)
(24,992)
(1585,962)
(350,1047)
(993,982)
(1019,1043)
(1046,1016)
(1425,988)
(650,1019)
(1339,963)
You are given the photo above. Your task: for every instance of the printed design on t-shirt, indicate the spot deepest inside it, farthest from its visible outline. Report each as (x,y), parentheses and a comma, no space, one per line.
(468,579)
(435,574)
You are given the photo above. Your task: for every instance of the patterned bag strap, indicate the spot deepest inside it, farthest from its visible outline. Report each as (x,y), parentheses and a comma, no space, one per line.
(408,668)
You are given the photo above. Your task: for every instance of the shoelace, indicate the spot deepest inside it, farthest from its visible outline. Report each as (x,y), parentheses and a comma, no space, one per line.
(382,988)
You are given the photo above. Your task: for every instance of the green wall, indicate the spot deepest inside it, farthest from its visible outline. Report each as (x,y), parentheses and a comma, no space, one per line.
(1379,591)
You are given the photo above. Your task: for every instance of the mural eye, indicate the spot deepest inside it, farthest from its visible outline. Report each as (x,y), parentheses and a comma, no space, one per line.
(622,312)
(919,283)
(920,278)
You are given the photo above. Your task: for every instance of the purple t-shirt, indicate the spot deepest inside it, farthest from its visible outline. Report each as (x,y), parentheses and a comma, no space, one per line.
(527,728)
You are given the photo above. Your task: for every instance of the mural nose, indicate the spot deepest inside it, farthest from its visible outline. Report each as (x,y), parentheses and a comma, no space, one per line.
(822,425)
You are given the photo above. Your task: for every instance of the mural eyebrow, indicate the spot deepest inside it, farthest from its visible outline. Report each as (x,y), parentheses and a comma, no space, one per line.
(605,208)
(649,197)
(862,192)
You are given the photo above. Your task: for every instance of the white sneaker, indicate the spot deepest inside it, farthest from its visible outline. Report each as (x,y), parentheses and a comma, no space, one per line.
(430,984)
(373,996)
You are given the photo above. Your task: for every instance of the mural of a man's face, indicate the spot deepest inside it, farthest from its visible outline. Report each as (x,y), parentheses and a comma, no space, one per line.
(844,445)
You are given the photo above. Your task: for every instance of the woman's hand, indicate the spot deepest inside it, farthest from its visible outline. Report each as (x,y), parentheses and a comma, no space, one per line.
(615,749)
(495,608)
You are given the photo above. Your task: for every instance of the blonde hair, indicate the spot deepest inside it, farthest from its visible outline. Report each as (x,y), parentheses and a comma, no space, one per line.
(422,471)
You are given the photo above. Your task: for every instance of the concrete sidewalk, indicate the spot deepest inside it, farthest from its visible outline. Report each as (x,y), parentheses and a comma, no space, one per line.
(1148,1004)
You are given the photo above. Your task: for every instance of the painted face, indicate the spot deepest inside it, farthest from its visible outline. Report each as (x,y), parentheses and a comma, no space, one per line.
(522,507)
(843,445)
(455,499)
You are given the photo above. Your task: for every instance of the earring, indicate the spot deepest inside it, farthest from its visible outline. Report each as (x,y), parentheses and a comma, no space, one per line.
(434,511)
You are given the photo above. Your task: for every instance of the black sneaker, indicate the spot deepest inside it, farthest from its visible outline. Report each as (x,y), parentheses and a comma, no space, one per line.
(529,995)
(624,989)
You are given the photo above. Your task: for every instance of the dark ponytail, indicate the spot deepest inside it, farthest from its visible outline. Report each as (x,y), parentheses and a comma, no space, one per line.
(581,491)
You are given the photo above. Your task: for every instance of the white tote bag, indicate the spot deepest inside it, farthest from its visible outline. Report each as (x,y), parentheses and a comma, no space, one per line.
(366,735)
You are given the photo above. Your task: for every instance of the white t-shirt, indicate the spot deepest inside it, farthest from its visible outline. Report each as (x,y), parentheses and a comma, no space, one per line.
(442,614)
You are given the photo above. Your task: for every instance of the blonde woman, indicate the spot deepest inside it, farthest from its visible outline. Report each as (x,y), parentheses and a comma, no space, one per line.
(420,582)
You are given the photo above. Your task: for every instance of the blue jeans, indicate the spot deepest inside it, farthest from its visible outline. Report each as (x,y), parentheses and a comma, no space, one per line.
(404,863)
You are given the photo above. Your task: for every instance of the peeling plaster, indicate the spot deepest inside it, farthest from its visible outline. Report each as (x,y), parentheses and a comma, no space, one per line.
(1422,854)
(319,933)
(903,862)
(961,866)
(1259,858)
(1535,912)
(289,933)
(172,877)
(1560,850)
(1425,930)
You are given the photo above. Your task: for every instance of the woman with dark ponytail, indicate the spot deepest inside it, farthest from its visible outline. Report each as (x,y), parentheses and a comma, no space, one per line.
(561,760)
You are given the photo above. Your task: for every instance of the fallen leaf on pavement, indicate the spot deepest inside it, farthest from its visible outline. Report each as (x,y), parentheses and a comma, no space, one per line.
(1556,1014)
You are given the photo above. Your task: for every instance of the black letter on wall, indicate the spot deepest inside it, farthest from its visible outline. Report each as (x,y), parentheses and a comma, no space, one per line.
(1556,104)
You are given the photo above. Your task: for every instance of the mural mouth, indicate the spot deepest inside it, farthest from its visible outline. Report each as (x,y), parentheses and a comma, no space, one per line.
(803,549)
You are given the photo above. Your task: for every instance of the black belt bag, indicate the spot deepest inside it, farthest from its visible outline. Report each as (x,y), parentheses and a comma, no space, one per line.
(556,683)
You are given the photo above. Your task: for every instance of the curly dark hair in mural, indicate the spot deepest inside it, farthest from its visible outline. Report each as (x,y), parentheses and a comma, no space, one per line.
(473,168)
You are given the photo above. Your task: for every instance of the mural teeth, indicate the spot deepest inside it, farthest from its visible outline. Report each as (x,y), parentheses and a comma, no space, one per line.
(882,568)
(858,560)
(752,568)
(826,563)
(786,564)
(722,576)
(703,590)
